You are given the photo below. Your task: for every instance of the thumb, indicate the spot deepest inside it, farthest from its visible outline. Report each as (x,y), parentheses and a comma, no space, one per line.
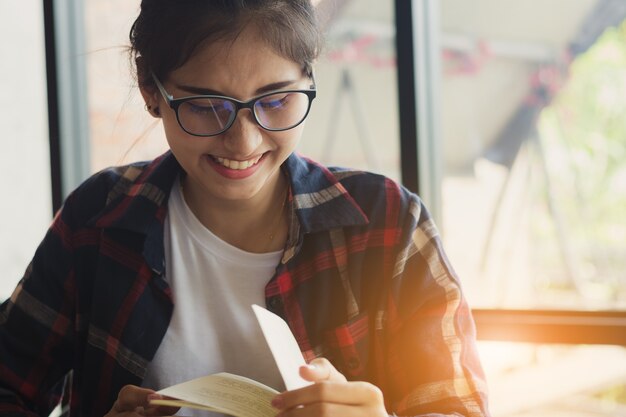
(320,369)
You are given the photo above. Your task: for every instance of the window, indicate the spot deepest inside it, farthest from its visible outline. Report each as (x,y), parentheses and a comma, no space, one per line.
(121,131)
(530,167)
(534,145)
(26,208)
(354,119)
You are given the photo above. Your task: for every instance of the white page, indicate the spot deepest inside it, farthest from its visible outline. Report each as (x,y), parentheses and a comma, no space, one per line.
(227,393)
(284,347)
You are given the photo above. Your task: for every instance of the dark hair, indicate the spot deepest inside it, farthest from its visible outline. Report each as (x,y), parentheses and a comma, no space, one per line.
(168,32)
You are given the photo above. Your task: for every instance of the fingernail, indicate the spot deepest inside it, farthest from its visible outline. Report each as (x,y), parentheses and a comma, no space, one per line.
(153,397)
(310,366)
(277,402)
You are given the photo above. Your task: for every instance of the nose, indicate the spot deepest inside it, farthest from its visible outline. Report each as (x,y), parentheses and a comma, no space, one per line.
(244,136)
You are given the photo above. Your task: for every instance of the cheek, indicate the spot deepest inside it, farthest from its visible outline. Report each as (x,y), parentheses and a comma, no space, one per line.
(170,125)
(177,138)
(289,139)
(185,148)
(174,138)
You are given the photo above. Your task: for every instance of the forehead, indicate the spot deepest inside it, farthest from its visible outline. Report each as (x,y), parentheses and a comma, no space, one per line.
(236,66)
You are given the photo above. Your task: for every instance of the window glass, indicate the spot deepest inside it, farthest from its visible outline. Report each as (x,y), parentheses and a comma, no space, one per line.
(354,119)
(122,131)
(26,208)
(527,380)
(534,150)
(533,106)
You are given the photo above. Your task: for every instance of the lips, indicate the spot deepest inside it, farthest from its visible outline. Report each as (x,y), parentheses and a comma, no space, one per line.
(234,169)
(237,165)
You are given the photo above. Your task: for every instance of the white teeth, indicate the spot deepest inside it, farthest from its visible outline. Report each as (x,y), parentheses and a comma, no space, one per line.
(238,165)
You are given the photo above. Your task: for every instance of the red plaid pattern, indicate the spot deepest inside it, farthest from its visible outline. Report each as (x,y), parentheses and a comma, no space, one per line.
(363,281)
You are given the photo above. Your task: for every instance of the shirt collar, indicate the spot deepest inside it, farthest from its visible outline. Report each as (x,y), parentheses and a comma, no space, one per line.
(138,202)
(139,198)
(320,200)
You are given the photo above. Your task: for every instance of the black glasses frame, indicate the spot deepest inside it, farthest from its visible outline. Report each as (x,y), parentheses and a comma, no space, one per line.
(175,103)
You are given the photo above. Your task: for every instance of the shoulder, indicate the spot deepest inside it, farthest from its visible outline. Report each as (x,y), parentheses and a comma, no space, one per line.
(370,185)
(379,197)
(103,189)
(312,176)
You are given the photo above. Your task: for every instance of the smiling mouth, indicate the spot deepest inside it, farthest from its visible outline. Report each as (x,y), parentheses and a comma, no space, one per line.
(237,165)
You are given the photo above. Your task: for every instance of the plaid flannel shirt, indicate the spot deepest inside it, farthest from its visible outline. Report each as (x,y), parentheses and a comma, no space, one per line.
(363,281)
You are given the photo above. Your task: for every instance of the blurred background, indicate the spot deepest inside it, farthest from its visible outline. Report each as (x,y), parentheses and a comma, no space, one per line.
(508,117)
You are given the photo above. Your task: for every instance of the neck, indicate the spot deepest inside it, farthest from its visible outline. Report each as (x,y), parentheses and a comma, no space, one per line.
(256,225)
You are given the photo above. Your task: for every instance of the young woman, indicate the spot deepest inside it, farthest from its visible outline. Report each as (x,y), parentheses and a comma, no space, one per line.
(146,276)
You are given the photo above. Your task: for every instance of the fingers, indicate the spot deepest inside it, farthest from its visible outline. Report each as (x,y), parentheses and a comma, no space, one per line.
(159,410)
(324,410)
(361,394)
(131,397)
(320,369)
(135,401)
(330,395)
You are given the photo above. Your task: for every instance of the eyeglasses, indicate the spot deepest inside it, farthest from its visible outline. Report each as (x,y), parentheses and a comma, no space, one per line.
(210,115)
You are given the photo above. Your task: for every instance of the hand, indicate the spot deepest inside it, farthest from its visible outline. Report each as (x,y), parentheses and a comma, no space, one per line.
(330,395)
(133,401)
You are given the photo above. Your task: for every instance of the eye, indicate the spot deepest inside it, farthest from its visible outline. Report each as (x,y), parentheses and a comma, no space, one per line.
(201,108)
(273,102)
(215,107)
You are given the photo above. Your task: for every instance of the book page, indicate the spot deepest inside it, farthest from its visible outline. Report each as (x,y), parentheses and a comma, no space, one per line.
(226,393)
(284,347)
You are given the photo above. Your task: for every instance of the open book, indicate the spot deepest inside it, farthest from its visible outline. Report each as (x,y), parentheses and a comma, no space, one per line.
(239,396)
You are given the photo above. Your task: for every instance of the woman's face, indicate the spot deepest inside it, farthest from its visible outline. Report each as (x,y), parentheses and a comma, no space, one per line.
(243,162)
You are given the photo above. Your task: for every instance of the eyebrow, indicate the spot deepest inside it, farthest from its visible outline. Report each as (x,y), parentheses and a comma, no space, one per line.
(207,91)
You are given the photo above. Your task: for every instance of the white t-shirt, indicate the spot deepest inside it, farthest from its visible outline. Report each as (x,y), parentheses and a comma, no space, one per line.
(213,327)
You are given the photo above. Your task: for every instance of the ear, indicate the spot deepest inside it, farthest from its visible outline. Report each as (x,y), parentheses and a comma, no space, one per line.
(148,90)
(151,97)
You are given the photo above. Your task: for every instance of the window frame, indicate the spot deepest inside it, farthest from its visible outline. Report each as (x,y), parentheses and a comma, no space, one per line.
(68,118)
(552,326)
(416,39)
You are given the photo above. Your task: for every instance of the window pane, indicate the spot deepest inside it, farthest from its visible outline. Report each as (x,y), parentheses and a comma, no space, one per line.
(122,131)
(534,134)
(354,119)
(528,380)
(26,208)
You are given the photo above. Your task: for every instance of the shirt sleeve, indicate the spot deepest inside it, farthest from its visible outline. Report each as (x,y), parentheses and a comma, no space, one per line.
(37,328)
(432,362)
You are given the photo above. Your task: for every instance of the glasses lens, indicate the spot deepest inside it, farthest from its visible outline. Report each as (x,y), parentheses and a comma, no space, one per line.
(205,116)
(281,110)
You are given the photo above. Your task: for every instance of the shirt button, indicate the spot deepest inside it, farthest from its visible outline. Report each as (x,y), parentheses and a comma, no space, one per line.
(353,363)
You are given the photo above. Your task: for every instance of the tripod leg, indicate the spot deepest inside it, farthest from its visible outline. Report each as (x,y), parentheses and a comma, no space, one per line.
(359,117)
(557,219)
(333,122)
